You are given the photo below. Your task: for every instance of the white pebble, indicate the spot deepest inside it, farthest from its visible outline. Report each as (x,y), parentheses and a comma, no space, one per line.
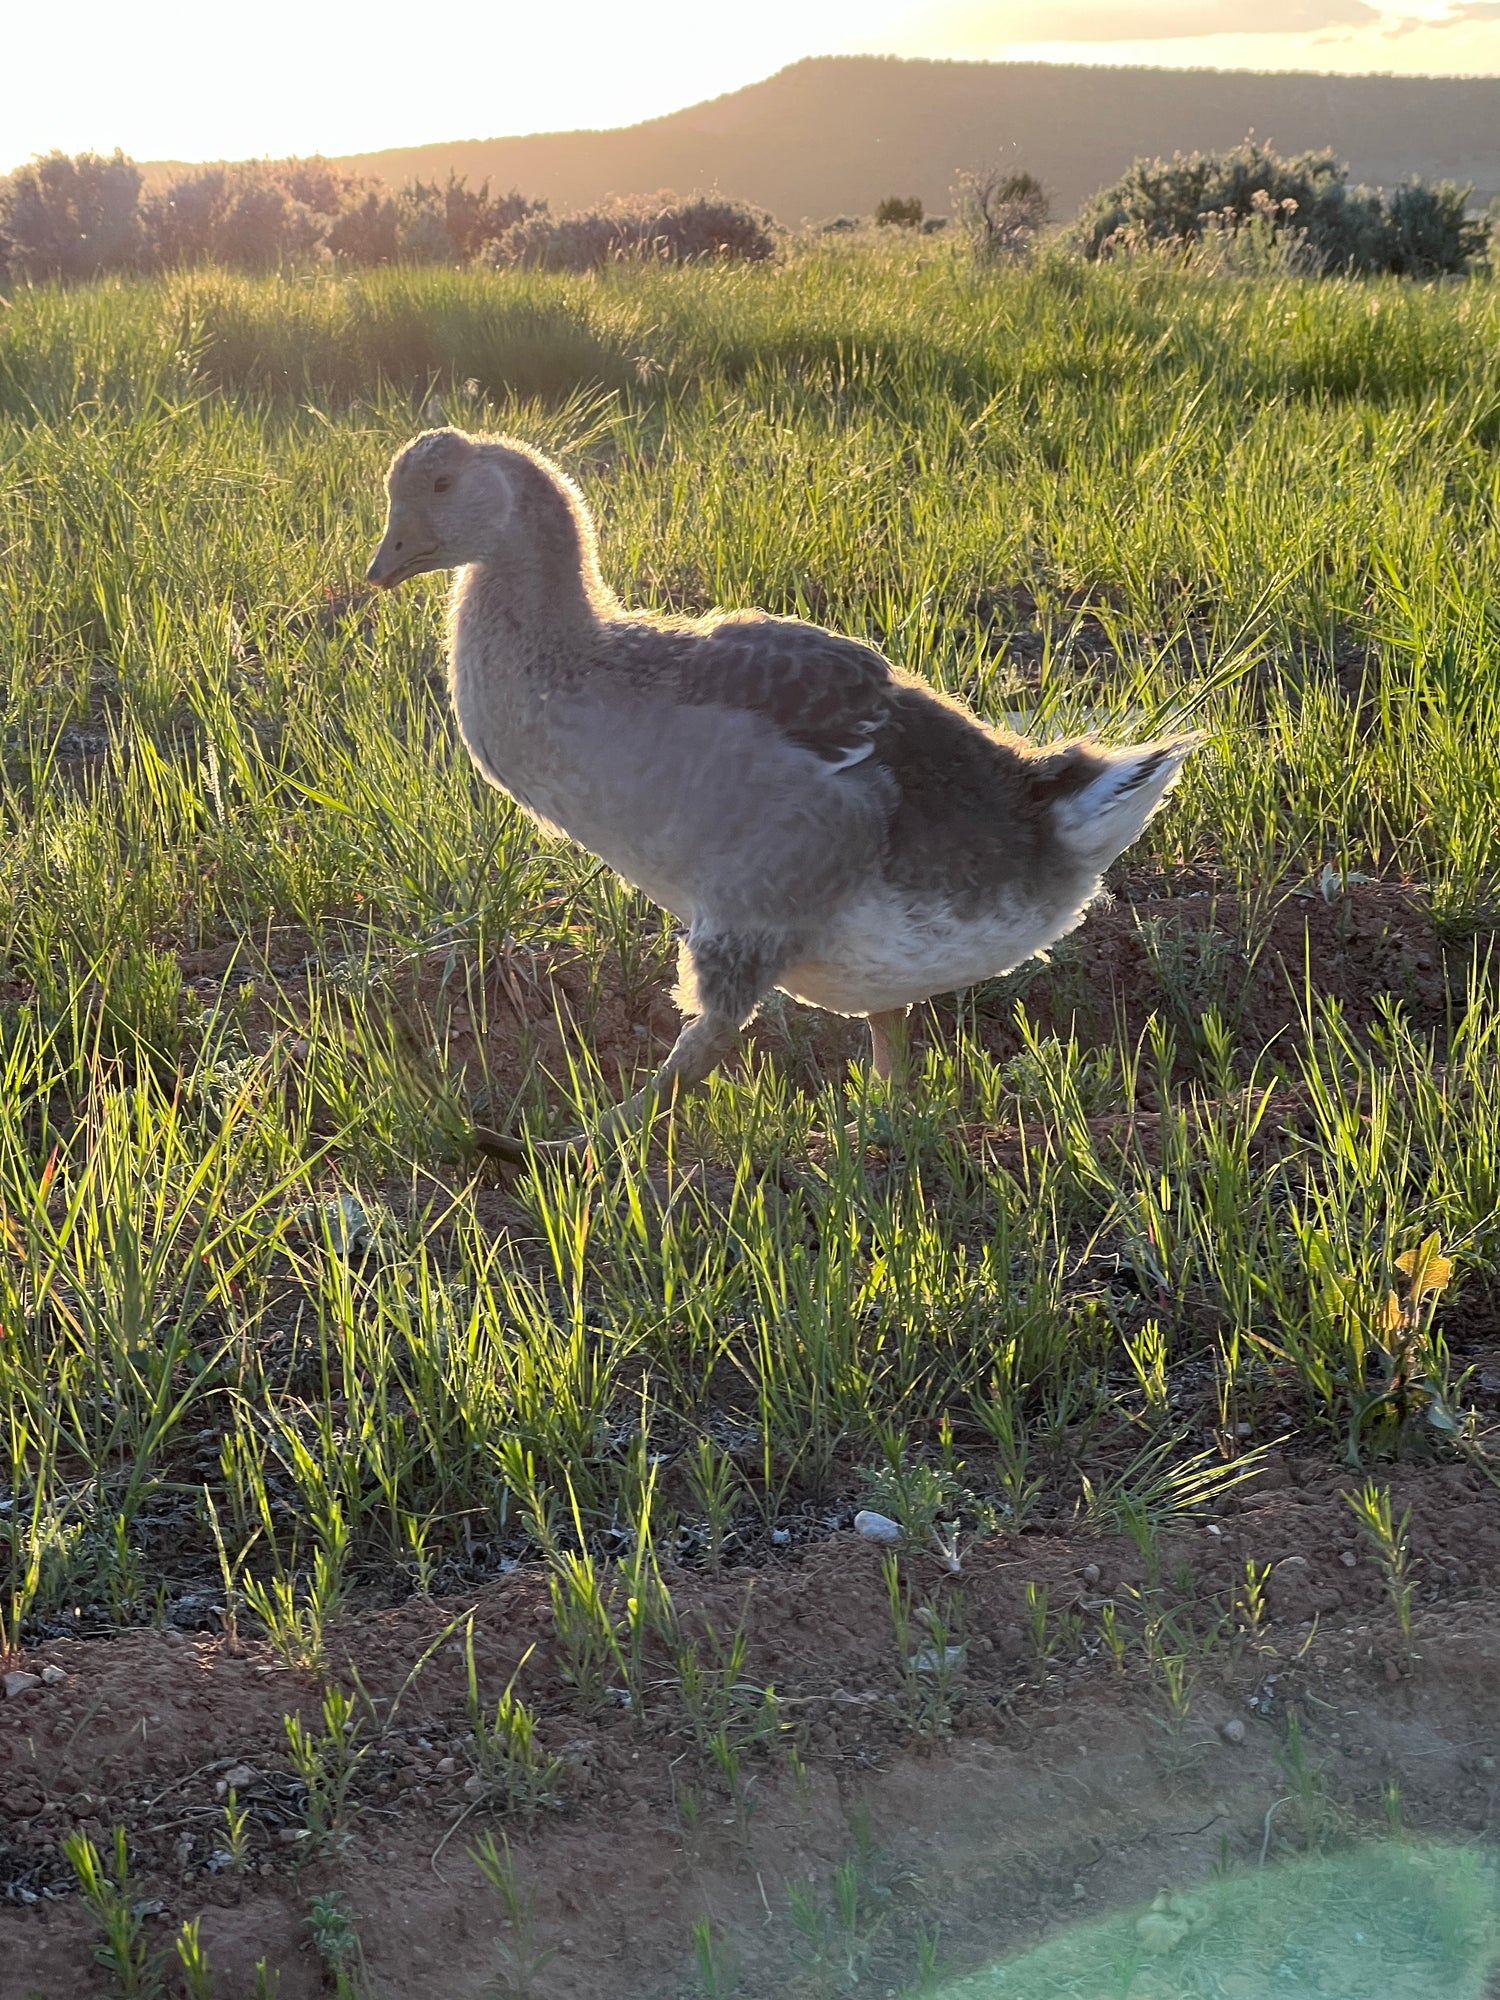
(930,1661)
(877,1527)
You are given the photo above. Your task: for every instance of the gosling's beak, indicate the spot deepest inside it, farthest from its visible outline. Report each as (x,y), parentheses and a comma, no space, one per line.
(407,548)
(390,565)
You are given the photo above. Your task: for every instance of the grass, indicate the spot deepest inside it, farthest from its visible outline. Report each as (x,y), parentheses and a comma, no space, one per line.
(253,897)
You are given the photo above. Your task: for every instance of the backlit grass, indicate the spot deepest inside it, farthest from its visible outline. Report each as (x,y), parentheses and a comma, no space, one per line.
(1095,498)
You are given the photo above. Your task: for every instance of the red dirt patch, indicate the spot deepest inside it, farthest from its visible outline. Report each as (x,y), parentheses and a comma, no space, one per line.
(1056,1773)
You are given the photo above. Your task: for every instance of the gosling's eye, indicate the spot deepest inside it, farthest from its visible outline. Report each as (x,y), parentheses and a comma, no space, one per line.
(441,485)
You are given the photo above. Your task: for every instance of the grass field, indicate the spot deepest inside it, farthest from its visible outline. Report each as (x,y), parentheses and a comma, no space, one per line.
(269,1336)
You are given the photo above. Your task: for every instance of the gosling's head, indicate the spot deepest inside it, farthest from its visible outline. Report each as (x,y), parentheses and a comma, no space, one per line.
(450,500)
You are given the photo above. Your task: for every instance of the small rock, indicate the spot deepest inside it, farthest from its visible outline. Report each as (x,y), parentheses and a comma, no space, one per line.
(51,1676)
(1079,1892)
(290,1835)
(1349,1558)
(1232,1731)
(931,1661)
(1091,1574)
(446,1766)
(18,1683)
(475,1787)
(877,1527)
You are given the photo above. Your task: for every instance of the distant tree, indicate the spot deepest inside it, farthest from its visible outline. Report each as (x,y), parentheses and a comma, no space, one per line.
(899,212)
(71,218)
(1000,212)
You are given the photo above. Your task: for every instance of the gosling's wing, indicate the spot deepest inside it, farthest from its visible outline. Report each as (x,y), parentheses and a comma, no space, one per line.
(823,693)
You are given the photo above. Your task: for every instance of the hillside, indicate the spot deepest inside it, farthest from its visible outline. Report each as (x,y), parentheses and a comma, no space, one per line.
(833,134)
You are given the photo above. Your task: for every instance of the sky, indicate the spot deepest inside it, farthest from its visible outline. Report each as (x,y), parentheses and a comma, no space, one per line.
(178,79)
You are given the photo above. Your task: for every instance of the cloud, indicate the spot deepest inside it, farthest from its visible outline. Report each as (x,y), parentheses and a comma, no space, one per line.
(1458,13)
(1154,20)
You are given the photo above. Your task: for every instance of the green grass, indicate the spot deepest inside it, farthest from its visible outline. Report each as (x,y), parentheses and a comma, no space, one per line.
(1078,496)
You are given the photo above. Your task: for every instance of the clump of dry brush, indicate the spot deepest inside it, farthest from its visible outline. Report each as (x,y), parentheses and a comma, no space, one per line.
(662,228)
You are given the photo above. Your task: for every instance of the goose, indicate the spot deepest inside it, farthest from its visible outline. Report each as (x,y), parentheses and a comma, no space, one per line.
(816,820)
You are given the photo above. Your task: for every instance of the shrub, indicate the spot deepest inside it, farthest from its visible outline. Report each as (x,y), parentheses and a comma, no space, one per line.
(249,217)
(1000,213)
(1429,231)
(677,232)
(423,223)
(1305,201)
(899,212)
(71,218)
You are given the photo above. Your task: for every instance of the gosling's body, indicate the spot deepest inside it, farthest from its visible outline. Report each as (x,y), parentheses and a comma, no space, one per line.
(816,820)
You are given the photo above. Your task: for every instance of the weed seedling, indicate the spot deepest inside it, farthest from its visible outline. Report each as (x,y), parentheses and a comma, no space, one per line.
(929,1658)
(718,1975)
(326,1763)
(1112,1632)
(1250,1602)
(1319,1819)
(520,1962)
(1177,1686)
(1147,1354)
(841,1933)
(714,1484)
(519,1775)
(111,1896)
(236,1832)
(197,1976)
(585,1631)
(1020,1490)
(1371,1507)
(932,1967)
(336,1941)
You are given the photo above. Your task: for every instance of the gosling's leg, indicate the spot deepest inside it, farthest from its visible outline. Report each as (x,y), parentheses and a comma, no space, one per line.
(890,1047)
(723,975)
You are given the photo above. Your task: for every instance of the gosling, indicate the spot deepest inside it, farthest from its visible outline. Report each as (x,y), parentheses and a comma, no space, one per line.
(815,819)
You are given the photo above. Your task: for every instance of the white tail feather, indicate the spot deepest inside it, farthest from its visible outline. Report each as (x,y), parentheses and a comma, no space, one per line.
(1100,820)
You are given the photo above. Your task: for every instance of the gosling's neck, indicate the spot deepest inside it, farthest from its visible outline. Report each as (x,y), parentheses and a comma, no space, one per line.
(540,600)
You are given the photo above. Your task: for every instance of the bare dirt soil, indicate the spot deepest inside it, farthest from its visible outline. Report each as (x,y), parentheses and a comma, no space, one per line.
(1052,1788)
(1144,953)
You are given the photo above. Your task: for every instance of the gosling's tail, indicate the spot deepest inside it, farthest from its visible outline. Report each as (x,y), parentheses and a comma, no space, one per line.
(1101,799)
